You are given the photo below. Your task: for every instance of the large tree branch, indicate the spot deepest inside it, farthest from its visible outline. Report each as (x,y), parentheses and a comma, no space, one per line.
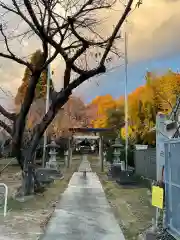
(39,129)
(51,16)
(58,102)
(50,59)
(115,32)
(37,28)
(20,13)
(28,99)
(80,12)
(83,40)
(21,118)
(71,64)
(32,14)
(67,74)
(44,35)
(6,127)
(11,55)
(77,69)
(16,59)
(88,74)
(5,113)
(79,52)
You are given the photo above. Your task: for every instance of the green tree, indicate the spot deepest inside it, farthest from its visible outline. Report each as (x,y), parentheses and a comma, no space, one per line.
(40,91)
(115,118)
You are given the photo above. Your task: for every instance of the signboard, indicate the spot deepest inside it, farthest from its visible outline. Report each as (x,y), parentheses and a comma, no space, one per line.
(157,197)
(141,147)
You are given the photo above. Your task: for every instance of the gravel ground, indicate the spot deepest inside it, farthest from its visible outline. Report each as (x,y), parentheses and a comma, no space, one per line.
(163,234)
(21,226)
(26,221)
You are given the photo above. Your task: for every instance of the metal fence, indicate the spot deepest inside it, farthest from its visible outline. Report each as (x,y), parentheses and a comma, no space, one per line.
(145,163)
(172,187)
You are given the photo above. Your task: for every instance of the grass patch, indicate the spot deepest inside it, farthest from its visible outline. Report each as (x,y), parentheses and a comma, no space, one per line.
(52,193)
(131,205)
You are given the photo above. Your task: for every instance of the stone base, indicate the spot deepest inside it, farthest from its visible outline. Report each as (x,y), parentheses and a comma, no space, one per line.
(23,198)
(115,170)
(150,236)
(126,178)
(20,197)
(42,176)
(47,175)
(57,177)
(52,165)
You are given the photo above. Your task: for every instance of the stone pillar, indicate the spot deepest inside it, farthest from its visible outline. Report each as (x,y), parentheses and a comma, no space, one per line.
(69,153)
(123,167)
(101,154)
(70,157)
(105,154)
(66,158)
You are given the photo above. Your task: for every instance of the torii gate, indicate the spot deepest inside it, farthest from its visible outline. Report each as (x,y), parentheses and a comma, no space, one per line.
(96,136)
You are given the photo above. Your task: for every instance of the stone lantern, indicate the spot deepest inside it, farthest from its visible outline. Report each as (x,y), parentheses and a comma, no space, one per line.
(52,163)
(116,154)
(118,170)
(51,171)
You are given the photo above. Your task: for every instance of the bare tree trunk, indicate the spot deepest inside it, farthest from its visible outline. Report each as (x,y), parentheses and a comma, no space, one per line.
(71,54)
(30,183)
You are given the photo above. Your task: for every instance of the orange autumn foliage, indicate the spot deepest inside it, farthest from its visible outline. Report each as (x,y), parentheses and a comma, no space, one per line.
(100,105)
(158,94)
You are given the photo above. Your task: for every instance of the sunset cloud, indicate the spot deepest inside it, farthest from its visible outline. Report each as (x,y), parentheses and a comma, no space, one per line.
(153,32)
(154,29)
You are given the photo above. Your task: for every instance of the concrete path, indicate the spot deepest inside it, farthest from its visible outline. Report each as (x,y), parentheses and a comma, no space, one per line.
(83,212)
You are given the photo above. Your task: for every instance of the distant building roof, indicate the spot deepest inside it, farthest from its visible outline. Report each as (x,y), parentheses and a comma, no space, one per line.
(90,129)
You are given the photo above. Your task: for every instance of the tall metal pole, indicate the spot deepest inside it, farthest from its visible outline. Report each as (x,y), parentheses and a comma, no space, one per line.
(126,96)
(47,107)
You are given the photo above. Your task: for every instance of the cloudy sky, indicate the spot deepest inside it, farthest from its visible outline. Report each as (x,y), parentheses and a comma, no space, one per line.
(153,43)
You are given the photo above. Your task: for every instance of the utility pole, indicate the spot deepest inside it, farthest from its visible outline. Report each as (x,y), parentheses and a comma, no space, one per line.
(47,106)
(126,93)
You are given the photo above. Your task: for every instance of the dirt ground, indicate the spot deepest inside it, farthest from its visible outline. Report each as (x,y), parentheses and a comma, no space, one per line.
(28,220)
(131,205)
